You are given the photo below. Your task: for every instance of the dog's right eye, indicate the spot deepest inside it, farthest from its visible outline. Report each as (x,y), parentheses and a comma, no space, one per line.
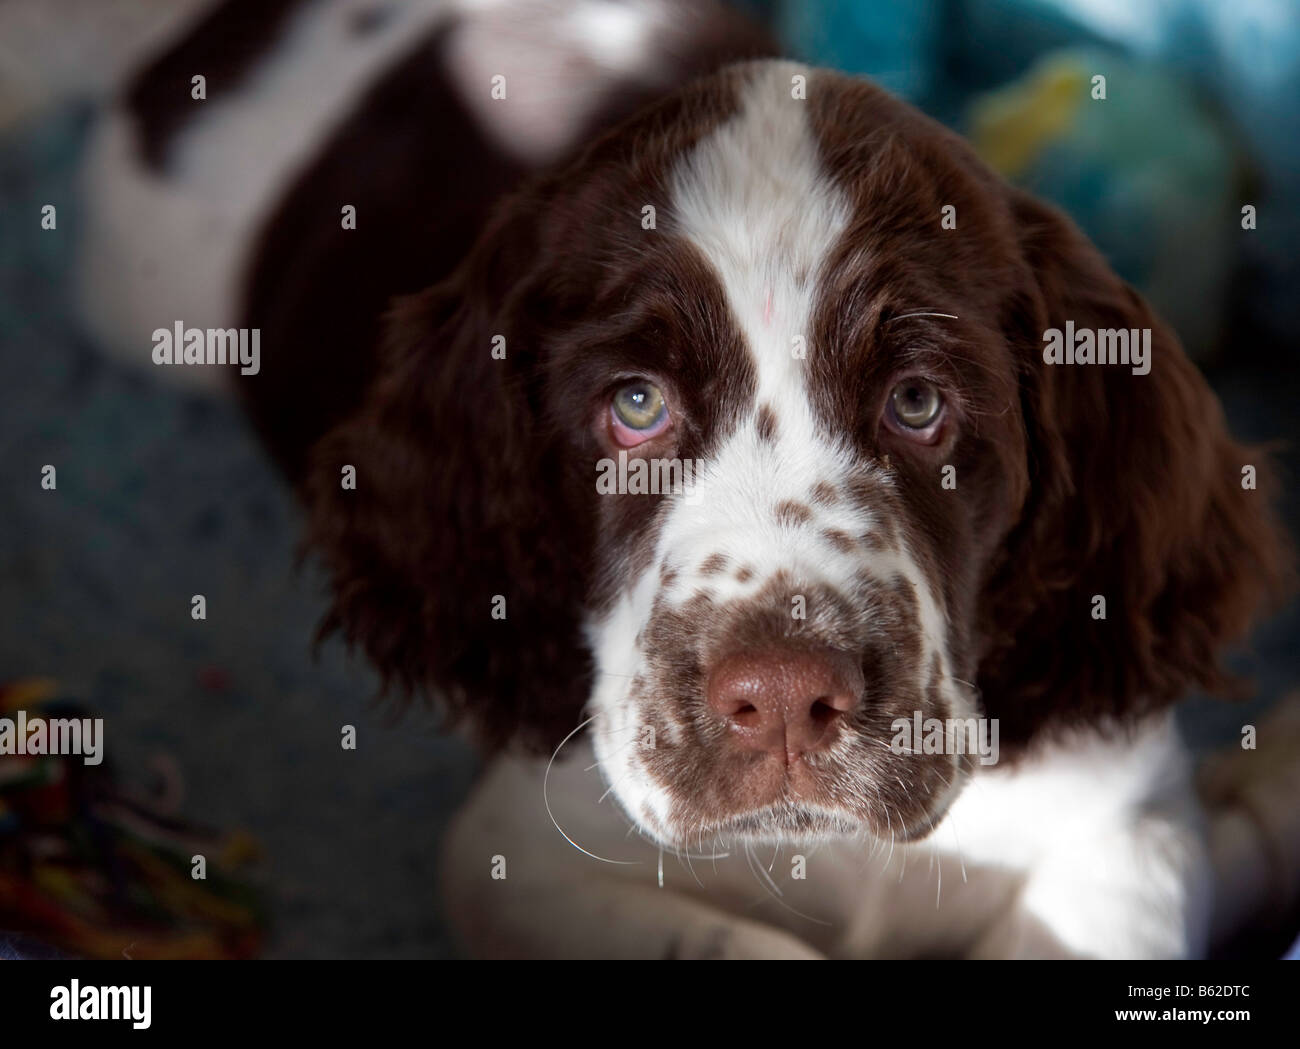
(915,410)
(638,412)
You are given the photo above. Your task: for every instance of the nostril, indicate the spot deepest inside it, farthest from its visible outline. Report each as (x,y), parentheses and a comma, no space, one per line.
(783,700)
(824,710)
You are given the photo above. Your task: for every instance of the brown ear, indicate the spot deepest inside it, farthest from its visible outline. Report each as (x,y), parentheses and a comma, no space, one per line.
(459,502)
(1136,495)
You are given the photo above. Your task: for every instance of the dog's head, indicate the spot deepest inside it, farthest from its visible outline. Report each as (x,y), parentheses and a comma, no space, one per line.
(739,434)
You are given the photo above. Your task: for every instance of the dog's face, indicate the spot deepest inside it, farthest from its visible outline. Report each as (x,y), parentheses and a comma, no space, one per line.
(769,462)
(814,349)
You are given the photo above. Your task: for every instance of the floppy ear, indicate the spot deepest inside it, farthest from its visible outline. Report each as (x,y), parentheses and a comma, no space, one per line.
(455,563)
(1136,497)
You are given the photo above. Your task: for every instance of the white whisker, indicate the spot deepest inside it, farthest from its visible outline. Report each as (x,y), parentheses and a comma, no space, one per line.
(922,313)
(547,801)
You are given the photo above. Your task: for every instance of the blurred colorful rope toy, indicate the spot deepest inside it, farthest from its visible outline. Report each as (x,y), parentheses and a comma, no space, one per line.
(97,871)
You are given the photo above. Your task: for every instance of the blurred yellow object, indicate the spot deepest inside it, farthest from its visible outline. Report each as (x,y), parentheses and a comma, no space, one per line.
(26,692)
(1011,127)
(239,848)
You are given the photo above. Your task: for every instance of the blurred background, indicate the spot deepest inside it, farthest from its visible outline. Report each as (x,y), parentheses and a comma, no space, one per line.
(224,734)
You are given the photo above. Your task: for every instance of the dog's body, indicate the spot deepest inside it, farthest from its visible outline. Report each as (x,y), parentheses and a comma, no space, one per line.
(1091,849)
(741,662)
(311,106)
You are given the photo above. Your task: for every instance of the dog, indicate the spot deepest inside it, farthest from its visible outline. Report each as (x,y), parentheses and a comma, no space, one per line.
(686,423)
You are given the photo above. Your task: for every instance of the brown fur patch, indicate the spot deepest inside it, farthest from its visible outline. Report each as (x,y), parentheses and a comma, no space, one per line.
(713,564)
(841,540)
(790,513)
(823,494)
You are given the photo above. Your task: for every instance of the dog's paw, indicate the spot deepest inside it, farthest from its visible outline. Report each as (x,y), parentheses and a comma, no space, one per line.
(738,940)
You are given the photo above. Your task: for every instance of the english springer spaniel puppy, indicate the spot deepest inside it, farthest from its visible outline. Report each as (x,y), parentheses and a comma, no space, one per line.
(692,432)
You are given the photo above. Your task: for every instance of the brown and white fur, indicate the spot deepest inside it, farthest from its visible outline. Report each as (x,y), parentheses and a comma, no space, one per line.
(673,744)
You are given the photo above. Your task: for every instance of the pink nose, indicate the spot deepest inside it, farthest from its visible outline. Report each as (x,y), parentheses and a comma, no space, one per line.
(785,701)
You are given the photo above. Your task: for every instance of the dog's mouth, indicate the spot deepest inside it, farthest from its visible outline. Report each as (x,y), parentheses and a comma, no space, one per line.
(802,804)
(783,822)
(793,824)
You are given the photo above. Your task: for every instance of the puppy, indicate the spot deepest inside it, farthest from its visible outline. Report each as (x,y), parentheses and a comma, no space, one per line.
(727,475)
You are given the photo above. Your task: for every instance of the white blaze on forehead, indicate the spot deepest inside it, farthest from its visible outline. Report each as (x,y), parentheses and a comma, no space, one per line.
(755,201)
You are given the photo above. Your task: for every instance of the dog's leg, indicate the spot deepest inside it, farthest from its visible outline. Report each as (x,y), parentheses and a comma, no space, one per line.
(514,887)
(605,918)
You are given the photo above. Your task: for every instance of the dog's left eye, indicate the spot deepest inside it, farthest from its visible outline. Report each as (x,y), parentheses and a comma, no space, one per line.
(638,412)
(915,404)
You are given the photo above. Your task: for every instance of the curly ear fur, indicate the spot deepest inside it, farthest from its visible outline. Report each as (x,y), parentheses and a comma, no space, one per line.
(1136,495)
(460,498)
(470,481)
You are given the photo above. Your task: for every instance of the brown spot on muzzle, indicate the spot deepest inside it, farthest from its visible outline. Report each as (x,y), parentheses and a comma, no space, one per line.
(791,514)
(714,564)
(842,541)
(823,494)
(715,783)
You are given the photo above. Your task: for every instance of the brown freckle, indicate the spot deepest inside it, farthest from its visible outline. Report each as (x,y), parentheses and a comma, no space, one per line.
(765,423)
(842,541)
(713,564)
(874,541)
(863,491)
(667,576)
(788,512)
(823,494)
(744,574)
